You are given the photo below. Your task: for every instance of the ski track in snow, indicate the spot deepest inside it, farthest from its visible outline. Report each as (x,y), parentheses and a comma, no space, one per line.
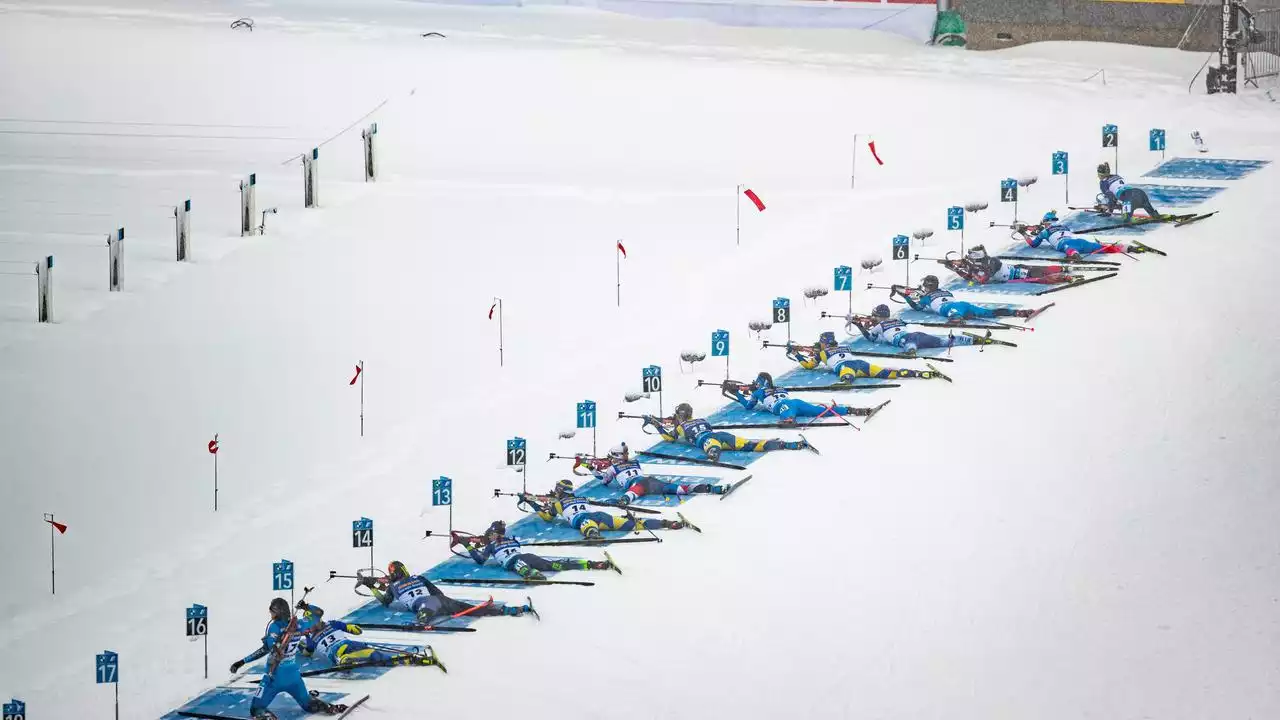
(1082,526)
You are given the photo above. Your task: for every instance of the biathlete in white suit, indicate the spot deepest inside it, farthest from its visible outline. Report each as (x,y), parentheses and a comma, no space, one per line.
(932,299)
(882,329)
(626,474)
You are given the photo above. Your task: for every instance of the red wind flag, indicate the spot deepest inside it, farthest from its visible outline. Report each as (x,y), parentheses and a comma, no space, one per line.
(874,154)
(622,249)
(213,445)
(62,529)
(491,307)
(751,194)
(359,369)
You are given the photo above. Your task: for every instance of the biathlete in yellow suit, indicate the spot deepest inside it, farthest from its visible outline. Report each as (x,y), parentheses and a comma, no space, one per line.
(699,433)
(847,366)
(577,512)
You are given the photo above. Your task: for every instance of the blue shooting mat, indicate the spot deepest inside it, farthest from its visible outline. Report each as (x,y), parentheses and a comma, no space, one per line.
(596,490)
(458,568)
(374,612)
(822,377)
(1206,168)
(862,344)
(1179,196)
(234,703)
(366,672)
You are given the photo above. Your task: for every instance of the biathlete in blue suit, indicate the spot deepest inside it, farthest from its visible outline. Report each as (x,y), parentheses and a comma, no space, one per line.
(931,299)
(505,551)
(880,328)
(699,433)
(1052,234)
(281,640)
(766,396)
(332,640)
(847,366)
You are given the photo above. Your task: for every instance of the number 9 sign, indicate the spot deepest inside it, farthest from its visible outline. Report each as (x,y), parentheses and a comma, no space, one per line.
(720,343)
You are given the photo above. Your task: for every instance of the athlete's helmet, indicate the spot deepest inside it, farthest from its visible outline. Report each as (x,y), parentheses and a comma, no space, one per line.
(683,413)
(826,339)
(396,571)
(279,608)
(563,487)
(977,253)
(881,311)
(497,528)
(763,380)
(1104,169)
(929,283)
(619,453)
(1050,217)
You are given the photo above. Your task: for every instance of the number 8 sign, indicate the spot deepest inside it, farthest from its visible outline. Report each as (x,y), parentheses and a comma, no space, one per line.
(782,310)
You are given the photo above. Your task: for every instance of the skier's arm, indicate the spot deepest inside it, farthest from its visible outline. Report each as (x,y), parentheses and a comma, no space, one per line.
(668,435)
(862,329)
(480,556)
(309,610)
(806,362)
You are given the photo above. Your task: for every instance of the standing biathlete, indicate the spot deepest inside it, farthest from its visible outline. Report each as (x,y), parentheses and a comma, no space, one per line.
(281,640)
(699,433)
(847,366)
(626,473)
(563,504)
(766,396)
(506,551)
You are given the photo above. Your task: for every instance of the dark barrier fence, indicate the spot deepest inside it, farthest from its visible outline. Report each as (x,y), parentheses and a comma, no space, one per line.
(1261,55)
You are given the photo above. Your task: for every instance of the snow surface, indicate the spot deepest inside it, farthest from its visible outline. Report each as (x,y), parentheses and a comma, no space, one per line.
(1081,527)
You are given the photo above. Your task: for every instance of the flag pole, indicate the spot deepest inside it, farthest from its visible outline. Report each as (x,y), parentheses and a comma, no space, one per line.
(501,361)
(53,560)
(361,398)
(215,476)
(853,171)
(617,263)
(737,215)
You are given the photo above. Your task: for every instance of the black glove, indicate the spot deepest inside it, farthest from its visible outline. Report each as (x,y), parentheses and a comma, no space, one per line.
(235,666)
(366,581)
(302,605)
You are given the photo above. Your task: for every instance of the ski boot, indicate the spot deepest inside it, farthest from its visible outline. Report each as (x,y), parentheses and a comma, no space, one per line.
(858,412)
(516,610)
(712,489)
(265,714)
(804,444)
(599,565)
(592,533)
(672,525)
(529,573)
(320,706)
(713,453)
(933,373)
(984,339)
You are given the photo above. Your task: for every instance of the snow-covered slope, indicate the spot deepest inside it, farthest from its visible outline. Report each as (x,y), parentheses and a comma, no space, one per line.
(1079,527)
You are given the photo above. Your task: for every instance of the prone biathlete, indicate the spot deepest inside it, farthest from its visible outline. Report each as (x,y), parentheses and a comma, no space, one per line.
(506,551)
(635,484)
(766,396)
(563,504)
(332,640)
(840,360)
(700,434)
(882,329)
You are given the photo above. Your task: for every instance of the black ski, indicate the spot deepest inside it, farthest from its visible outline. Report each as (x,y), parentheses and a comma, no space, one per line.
(533,610)
(690,525)
(1068,286)
(1195,218)
(612,565)
(602,541)
(1036,314)
(988,340)
(347,711)
(733,488)
(874,410)
(837,387)
(1147,248)
(1059,261)
(414,627)
(515,581)
(620,506)
(937,372)
(692,461)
